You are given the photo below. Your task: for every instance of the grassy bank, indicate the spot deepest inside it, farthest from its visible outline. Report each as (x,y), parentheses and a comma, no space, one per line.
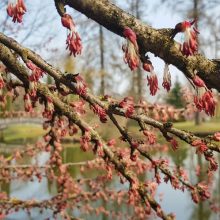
(23,133)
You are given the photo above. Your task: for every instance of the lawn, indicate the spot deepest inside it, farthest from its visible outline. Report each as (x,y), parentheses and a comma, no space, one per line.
(211,126)
(22,133)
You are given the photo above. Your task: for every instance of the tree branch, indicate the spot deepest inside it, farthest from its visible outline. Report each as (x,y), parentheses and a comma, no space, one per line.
(64,109)
(156,41)
(91,99)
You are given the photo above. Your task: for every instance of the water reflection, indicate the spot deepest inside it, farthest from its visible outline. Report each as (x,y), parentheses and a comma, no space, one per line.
(27,190)
(173,201)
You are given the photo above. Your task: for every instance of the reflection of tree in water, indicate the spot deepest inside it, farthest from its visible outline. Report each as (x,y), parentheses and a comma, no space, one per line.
(201,211)
(74,153)
(180,155)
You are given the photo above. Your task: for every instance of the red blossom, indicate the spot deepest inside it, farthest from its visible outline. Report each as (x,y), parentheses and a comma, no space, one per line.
(73,40)
(133,157)
(32,90)
(85,141)
(68,22)
(79,107)
(27,103)
(147,66)
(37,73)
(213,164)
(166,78)
(111,142)
(190,44)
(150,136)
(16,10)
(49,109)
(216,136)
(74,43)
(174,182)
(81,87)
(72,130)
(206,102)
(131,54)
(203,191)
(128,105)
(198,81)
(209,103)
(98,110)
(200,145)
(130,34)
(153,83)
(195,196)
(174,144)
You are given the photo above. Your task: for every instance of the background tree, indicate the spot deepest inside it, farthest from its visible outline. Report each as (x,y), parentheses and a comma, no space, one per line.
(71,110)
(175,96)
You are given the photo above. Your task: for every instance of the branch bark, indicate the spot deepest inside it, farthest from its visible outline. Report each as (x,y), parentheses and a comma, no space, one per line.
(19,70)
(156,41)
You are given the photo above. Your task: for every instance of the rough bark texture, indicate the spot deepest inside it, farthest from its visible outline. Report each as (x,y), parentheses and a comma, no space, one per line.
(149,39)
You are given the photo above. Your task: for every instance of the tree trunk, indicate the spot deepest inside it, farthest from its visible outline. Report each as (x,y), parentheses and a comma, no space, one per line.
(102,64)
(196,16)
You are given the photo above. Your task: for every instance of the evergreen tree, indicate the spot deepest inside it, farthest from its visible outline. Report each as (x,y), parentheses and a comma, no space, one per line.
(175,96)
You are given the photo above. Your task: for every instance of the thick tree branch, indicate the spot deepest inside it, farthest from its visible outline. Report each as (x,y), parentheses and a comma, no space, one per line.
(20,71)
(156,41)
(91,99)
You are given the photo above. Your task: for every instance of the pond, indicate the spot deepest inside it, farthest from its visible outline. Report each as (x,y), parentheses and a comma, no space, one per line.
(172,200)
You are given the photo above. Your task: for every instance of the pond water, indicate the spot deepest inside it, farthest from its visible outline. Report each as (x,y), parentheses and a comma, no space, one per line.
(173,201)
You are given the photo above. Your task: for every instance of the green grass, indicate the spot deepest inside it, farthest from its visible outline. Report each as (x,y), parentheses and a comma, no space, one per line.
(203,127)
(22,132)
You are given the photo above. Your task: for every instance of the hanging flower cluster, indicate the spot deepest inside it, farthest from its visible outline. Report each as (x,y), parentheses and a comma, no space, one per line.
(100,112)
(127,104)
(27,103)
(73,41)
(37,73)
(16,9)
(166,78)
(190,45)
(151,137)
(81,87)
(49,109)
(204,99)
(130,48)
(131,57)
(152,79)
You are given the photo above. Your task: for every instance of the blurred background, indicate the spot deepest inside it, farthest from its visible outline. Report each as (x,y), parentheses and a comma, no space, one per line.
(102,66)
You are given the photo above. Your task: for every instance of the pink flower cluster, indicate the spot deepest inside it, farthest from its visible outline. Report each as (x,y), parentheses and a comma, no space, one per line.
(166,78)
(131,54)
(205,99)
(81,87)
(49,109)
(16,10)
(73,41)
(151,137)
(27,103)
(128,105)
(100,112)
(37,73)
(190,45)
(201,147)
(152,79)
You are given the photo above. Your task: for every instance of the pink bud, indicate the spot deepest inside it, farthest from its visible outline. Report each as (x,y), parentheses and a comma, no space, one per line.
(198,81)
